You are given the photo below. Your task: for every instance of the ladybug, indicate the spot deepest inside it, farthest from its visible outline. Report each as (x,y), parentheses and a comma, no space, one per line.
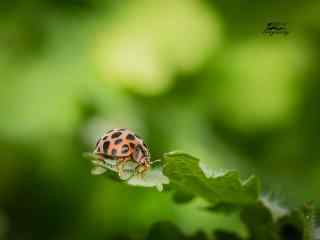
(123,145)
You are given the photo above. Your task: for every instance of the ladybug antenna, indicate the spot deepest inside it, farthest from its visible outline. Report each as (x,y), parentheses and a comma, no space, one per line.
(155,161)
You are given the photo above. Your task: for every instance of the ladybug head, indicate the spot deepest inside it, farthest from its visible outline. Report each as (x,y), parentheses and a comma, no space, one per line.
(140,155)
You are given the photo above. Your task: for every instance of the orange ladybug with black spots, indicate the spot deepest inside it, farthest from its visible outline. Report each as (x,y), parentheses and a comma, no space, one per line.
(123,145)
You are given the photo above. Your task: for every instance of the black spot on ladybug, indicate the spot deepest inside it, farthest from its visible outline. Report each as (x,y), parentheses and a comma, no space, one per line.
(139,147)
(132,145)
(119,140)
(116,134)
(114,152)
(130,137)
(106,146)
(124,151)
(125,148)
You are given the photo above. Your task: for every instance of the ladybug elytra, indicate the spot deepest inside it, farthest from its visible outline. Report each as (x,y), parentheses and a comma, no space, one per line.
(123,145)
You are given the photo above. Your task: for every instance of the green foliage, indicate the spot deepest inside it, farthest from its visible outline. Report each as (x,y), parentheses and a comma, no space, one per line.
(224,192)
(186,176)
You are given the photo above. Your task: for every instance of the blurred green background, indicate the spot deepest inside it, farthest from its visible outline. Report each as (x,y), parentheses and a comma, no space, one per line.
(190,75)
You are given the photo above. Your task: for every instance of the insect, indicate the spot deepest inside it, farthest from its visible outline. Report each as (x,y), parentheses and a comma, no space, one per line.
(123,145)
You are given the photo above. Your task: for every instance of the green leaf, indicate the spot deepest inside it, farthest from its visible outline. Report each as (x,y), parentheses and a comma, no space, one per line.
(225,192)
(151,178)
(187,176)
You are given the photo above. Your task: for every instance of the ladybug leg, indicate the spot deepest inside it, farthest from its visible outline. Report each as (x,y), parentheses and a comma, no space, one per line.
(140,170)
(120,165)
(137,171)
